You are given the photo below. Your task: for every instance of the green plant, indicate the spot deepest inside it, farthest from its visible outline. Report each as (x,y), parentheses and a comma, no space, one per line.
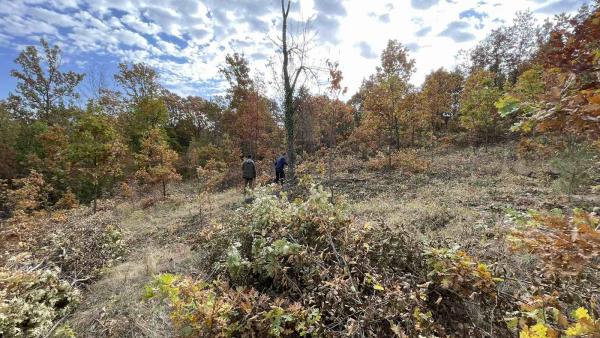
(573,165)
(30,302)
(543,316)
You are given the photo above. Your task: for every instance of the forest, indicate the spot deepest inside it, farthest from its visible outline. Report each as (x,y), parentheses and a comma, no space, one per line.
(468,206)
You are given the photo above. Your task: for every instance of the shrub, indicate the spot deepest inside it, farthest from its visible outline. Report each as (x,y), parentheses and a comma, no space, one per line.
(203,309)
(67,201)
(304,267)
(566,244)
(31,301)
(30,193)
(544,317)
(573,166)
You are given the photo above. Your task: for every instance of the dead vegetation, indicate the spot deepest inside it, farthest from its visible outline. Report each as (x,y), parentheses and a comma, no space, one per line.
(458,213)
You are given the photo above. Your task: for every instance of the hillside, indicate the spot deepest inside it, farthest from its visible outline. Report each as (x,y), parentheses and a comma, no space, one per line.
(465,199)
(283,205)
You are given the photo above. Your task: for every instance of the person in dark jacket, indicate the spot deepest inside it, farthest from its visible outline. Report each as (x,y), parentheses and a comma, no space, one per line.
(248,172)
(280,164)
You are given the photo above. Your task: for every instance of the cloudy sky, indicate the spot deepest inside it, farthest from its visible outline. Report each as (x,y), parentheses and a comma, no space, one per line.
(187,40)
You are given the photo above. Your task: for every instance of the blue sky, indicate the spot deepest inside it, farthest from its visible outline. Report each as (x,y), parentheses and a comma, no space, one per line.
(187,40)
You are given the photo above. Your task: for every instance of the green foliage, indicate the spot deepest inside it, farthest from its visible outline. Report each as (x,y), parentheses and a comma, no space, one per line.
(96,152)
(520,102)
(156,161)
(574,166)
(147,114)
(478,113)
(202,309)
(31,301)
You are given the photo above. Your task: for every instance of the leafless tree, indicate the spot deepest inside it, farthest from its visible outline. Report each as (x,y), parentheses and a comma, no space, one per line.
(294,51)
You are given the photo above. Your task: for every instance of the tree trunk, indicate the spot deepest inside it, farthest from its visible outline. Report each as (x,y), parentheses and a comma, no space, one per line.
(164,189)
(288,101)
(94,208)
(397,133)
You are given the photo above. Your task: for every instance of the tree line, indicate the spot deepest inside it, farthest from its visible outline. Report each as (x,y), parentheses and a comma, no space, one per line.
(536,81)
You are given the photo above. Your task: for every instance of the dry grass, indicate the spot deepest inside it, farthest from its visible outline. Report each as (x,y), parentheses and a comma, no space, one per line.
(461,199)
(158,239)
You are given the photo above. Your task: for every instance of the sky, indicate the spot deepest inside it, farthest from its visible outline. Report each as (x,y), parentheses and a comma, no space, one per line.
(187,40)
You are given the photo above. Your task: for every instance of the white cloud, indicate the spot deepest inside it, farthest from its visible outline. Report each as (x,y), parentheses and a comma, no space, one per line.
(187,40)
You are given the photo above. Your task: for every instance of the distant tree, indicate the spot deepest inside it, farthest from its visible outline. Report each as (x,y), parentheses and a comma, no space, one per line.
(394,76)
(156,161)
(237,74)
(438,94)
(521,101)
(146,115)
(385,94)
(334,115)
(305,121)
(139,81)
(97,154)
(477,109)
(413,115)
(41,85)
(508,50)
(248,119)
(9,131)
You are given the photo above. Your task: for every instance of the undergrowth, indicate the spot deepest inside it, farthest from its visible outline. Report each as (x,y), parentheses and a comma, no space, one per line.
(305,267)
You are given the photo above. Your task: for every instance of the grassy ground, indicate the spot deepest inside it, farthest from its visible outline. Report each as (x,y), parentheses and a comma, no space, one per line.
(159,239)
(460,200)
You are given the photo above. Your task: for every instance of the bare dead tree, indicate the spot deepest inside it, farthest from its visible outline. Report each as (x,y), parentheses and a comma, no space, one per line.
(295,54)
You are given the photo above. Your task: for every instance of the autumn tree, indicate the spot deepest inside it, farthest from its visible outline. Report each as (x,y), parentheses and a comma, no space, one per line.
(570,104)
(334,113)
(414,116)
(477,109)
(139,81)
(50,157)
(439,95)
(156,161)
(385,92)
(248,119)
(41,85)
(96,152)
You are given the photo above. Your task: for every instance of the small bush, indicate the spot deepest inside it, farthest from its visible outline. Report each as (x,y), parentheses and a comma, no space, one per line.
(566,244)
(574,166)
(202,309)
(30,302)
(67,201)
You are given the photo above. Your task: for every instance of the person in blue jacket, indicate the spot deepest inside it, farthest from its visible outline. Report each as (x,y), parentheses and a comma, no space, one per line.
(280,164)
